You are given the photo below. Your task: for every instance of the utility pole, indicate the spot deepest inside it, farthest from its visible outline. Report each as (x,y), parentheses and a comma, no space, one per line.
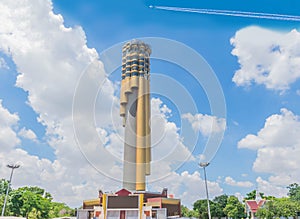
(12,167)
(204,165)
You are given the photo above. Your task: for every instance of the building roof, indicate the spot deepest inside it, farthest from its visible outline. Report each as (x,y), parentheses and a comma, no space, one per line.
(253,206)
(89,204)
(123,192)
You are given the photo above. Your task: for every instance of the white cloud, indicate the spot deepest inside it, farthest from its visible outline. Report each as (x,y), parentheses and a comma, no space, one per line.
(278,148)
(239,196)
(188,187)
(206,124)
(27,133)
(7,118)
(8,137)
(269,188)
(250,142)
(3,64)
(298,92)
(167,145)
(230,181)
(50,59)
(272,59)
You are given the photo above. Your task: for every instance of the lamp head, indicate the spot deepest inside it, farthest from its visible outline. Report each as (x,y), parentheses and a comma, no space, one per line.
(13,166)
(204,164)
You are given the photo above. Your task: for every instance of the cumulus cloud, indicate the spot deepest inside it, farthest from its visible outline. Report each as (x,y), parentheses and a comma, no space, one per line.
(205,124)
(272,59)
(239,196)
(189,187)
(268,188)
(3,64)
(166,142)
(230,181)
(52,60)
(8,137)
(278,147)
(27,133)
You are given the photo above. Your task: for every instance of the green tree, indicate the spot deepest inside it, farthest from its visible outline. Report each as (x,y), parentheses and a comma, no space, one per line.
(3,186)
(234,209)
(61,209)
(268,211)
(1,201)
(252,195)
(270,197)
(279,207)
(218,205)
(200,207)
(189,213)
(30,202)
(286,207)
(193,214)
(294,192)
(184,211)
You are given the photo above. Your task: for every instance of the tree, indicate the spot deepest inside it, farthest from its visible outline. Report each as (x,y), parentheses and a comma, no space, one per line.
(193,214)
(218,205)
(267,211)
(279,207)
(200,207)
(30,202)
(184,211)
(286,207)
(270,197)
(3,186)
(189,213)
(294,192)
(252,195)
(234,209)
(61,209)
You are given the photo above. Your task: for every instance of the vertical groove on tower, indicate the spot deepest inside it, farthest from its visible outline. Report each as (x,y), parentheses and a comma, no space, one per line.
(140,137)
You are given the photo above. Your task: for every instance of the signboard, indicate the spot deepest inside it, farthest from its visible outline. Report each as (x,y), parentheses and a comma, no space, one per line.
(122,202)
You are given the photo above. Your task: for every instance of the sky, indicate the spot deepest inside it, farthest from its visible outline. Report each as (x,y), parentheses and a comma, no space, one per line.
(224,90)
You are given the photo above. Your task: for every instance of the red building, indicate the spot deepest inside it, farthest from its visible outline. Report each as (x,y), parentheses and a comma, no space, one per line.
(252,206)
(127,205)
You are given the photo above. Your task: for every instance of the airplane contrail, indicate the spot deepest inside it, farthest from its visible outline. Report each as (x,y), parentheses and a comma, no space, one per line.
(232,13)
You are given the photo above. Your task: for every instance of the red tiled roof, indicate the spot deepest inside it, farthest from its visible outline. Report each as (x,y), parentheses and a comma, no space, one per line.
(254,206)
(123,192)
(261,202)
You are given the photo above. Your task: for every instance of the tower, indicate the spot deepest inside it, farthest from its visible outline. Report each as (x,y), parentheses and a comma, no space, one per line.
(135,110)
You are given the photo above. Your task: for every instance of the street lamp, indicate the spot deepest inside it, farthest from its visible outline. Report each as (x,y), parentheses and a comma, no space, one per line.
(12,167)
(204,165)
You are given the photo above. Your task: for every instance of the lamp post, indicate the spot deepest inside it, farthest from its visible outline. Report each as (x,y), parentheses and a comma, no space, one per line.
(12,167)
(204,165)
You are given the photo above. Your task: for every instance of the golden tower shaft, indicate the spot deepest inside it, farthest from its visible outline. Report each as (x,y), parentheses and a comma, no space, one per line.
(135,110)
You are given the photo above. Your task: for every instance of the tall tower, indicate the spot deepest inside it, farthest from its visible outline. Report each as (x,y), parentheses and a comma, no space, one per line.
(135,110)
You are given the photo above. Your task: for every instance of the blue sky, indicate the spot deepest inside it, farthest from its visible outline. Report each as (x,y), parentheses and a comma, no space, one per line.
(48,46)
